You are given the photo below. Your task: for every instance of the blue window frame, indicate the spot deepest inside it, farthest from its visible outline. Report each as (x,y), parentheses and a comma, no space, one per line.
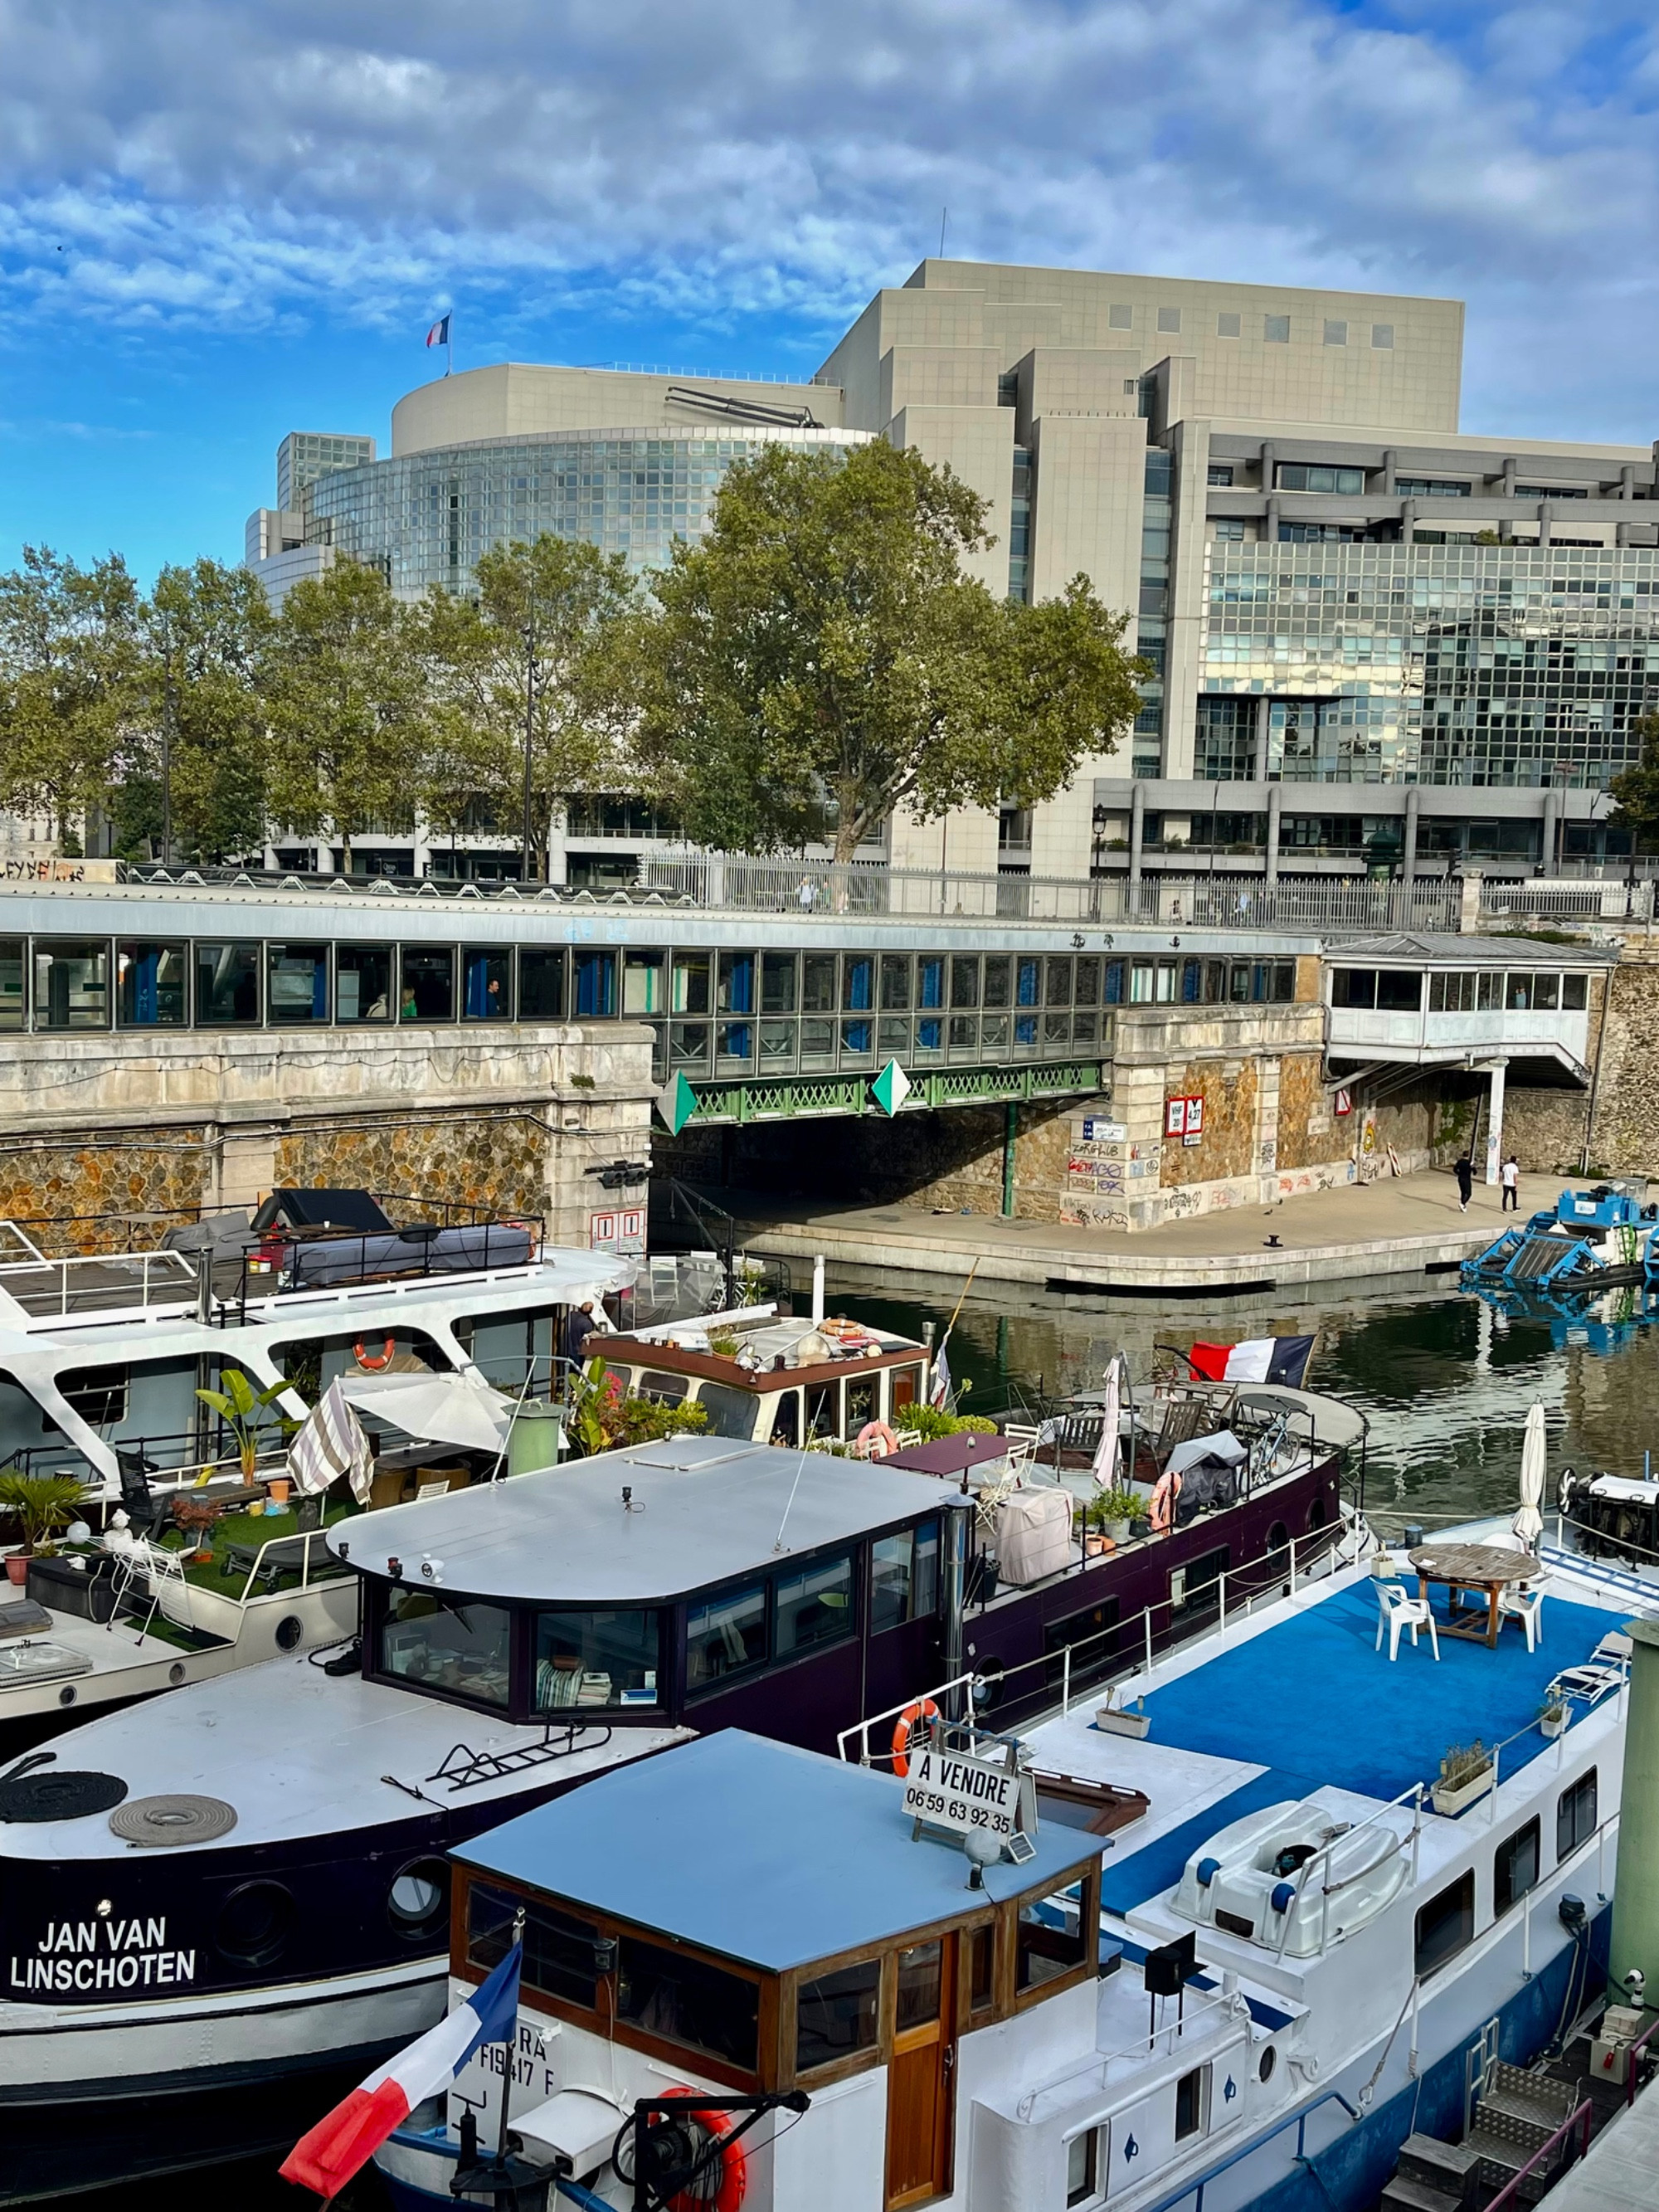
(930,981)
(596,985)
(1027,983)
(857,982)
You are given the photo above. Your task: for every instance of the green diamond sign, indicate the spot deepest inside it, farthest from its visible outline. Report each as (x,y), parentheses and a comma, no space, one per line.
(891,1088)
(676,1103)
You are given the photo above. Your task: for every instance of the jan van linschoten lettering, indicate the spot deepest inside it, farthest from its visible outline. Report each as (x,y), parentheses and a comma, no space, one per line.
(133,1954)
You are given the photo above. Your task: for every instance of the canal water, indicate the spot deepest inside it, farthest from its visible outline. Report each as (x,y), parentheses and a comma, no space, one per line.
(1444,1380)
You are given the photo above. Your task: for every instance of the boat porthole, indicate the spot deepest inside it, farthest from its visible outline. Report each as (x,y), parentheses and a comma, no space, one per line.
(289,1629)
(253,1923)
(1264,2071)
(417,1904)
(66,1695)
(176,1673)
(988,1691)
(1317,1515)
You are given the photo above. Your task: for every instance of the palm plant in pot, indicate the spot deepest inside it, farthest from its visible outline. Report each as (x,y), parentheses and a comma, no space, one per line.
(42,1504)
(239,1406)
(1466,1773)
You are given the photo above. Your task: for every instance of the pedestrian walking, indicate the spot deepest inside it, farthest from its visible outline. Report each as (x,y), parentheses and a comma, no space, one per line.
(1465,1174)
(1509,1177)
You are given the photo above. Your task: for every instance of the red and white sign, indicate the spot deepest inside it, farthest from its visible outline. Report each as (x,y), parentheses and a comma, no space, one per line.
(1184,1118)
(621,1229)
(1344,1102)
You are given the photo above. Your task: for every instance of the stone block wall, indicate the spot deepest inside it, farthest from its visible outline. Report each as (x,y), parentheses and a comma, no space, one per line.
(85,1195)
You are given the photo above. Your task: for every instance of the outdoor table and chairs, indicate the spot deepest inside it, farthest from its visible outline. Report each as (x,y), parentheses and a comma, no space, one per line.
(1491,1570)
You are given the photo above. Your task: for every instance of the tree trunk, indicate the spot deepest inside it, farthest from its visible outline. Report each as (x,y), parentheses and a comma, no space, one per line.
(847,842)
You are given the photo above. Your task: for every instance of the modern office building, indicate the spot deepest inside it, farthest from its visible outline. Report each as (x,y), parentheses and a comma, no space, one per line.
(1376,641)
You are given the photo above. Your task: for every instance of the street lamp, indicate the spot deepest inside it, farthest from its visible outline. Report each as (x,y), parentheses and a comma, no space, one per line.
(526,857)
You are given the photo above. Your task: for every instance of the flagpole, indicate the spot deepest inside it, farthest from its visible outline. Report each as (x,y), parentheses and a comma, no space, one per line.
(509,2055)
(449,342)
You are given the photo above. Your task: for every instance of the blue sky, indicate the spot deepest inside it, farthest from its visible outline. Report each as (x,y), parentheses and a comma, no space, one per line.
(223,219)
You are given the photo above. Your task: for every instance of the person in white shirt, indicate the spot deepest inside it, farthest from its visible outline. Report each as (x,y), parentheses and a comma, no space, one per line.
(1509,1177)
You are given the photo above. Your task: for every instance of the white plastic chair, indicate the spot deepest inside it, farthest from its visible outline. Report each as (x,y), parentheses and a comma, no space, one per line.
(1395,1611)
(162,1571)
(1526,1605)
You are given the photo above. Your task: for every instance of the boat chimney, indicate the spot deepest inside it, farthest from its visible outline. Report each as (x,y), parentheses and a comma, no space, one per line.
(817,1289)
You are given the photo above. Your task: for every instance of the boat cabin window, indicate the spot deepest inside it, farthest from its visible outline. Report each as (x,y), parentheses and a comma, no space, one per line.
(461,1649)
(1515,1867)
(1193,2103)
(837,2015)
(685,2001)
(863,1403)
(561,1954)
(903,1577)
(903,1389)
(1575,1816)
(731,1412)
(981,1967)
(1445,1924)
(1083,2167)
(724,1638)
(815,1606)
(661,1388)
(786,1421)
(597,1660)
(1052,1939)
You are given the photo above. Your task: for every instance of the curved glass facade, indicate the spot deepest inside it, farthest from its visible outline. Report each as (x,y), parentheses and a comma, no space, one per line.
(425,518)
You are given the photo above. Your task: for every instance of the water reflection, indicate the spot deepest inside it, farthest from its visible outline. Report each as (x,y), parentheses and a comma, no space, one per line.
(1444,1377)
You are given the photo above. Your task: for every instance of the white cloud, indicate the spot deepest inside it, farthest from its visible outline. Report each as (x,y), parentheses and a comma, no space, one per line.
(239,164)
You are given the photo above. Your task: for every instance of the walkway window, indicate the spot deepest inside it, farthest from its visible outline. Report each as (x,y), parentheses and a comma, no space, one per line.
(427,986)
(228,985)
(930,981)
(965,980)
(642,983)
(595,985)
(1399,991)
(1059,991)
(362,983)
(296,982)
(1353,988)
(541,985)
(1445,1924)
(489,986)
(11,983)
(1114,983)
(1545,993)
(857,983)
(1086,992)
(1575,1816)
(737,983)
(1575,994)
(778,983)
(690,983)
(1515,1867)
(1517,993)
(72,984)
(895,982)
(150,981)
(1141,983)
(1489,992)
(817,986)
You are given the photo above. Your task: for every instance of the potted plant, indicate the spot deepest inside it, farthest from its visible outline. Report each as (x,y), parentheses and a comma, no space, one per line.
(43,1504)
(239,1406)
(1466,1774)
(1113,1511)
(1553,1714)
(1119,1719)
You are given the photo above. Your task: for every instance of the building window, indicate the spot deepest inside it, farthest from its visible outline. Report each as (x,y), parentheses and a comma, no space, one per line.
(1445,1924)
(1383,337)
(426,993)
(12,972)
(296,982)
(150,980)
(1276,330)
(837,2015)
(1221,475)
(227,984)
(362,983)
(596,985)
(1575,1816)
(1229,326)
(1008,388)
(1336,333)
(488,985)
(541,985)
(1168,319)
(1299,476)
(1120,318)
(1515,1867)
(1575,994)
(1083,2167)
(1229,531)
(1431,487)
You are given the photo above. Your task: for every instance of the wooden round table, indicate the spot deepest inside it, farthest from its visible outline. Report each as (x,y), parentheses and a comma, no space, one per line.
(1490,1568)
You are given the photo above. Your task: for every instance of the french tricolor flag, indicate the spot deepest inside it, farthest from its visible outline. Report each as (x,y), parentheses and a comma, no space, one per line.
(439,334)
(1282,1360)
(326,2158)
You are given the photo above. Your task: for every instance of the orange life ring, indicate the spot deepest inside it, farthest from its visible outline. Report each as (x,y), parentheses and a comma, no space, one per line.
(1162,1511)
(873,1433)
(733,2168)
(924,1711)
(371,1366)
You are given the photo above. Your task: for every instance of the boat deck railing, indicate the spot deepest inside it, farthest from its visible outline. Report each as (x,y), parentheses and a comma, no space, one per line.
(91,1283)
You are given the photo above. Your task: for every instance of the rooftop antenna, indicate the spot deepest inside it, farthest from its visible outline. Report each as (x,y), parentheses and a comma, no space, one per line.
(793,1487)
(942,213)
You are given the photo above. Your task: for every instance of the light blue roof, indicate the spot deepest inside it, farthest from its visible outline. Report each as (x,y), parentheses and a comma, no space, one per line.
(755,1850)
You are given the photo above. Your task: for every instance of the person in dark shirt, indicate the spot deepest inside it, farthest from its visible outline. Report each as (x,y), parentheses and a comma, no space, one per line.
(1465,1174)
(579,1325)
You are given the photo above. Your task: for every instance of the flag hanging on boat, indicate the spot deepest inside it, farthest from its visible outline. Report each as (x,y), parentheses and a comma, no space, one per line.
(1259,1359)
(939,1395)
(326,2158)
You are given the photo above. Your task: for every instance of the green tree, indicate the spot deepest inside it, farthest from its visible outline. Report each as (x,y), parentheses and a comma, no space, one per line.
(527,675)
(1636,791)
(201,779)
(343,693)
(68,662)
(822,659)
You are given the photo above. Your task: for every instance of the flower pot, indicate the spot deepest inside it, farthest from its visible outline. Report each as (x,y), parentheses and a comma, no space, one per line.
(203,1558)
(277,1489)
(1554,1724)
(1451,1802)
(1094,1545)
(17,1568)
(1118,1720)
(1118,1531)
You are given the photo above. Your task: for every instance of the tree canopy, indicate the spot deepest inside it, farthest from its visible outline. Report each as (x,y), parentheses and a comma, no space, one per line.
(822,659)
(1636,791)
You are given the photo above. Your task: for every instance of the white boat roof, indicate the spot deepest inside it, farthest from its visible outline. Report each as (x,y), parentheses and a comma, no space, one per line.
(703,1510)
(300,1754)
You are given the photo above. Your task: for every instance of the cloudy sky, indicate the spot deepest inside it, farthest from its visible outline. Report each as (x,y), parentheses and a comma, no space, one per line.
(220,221)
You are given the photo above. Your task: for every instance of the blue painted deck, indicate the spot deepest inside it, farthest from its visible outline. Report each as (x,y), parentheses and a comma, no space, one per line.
(1312,1699)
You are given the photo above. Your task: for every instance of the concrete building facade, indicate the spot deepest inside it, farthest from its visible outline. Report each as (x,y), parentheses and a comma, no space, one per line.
(1377,643)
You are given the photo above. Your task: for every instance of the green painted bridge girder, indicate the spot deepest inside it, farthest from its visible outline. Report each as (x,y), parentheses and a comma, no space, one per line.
(802,1096)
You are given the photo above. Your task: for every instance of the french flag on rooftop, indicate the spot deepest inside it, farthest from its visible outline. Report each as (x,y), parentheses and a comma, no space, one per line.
(326,2158)
(1260,1359)
(439,334)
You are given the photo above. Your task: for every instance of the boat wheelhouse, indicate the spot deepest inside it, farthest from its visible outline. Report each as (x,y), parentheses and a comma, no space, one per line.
(741,1917)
